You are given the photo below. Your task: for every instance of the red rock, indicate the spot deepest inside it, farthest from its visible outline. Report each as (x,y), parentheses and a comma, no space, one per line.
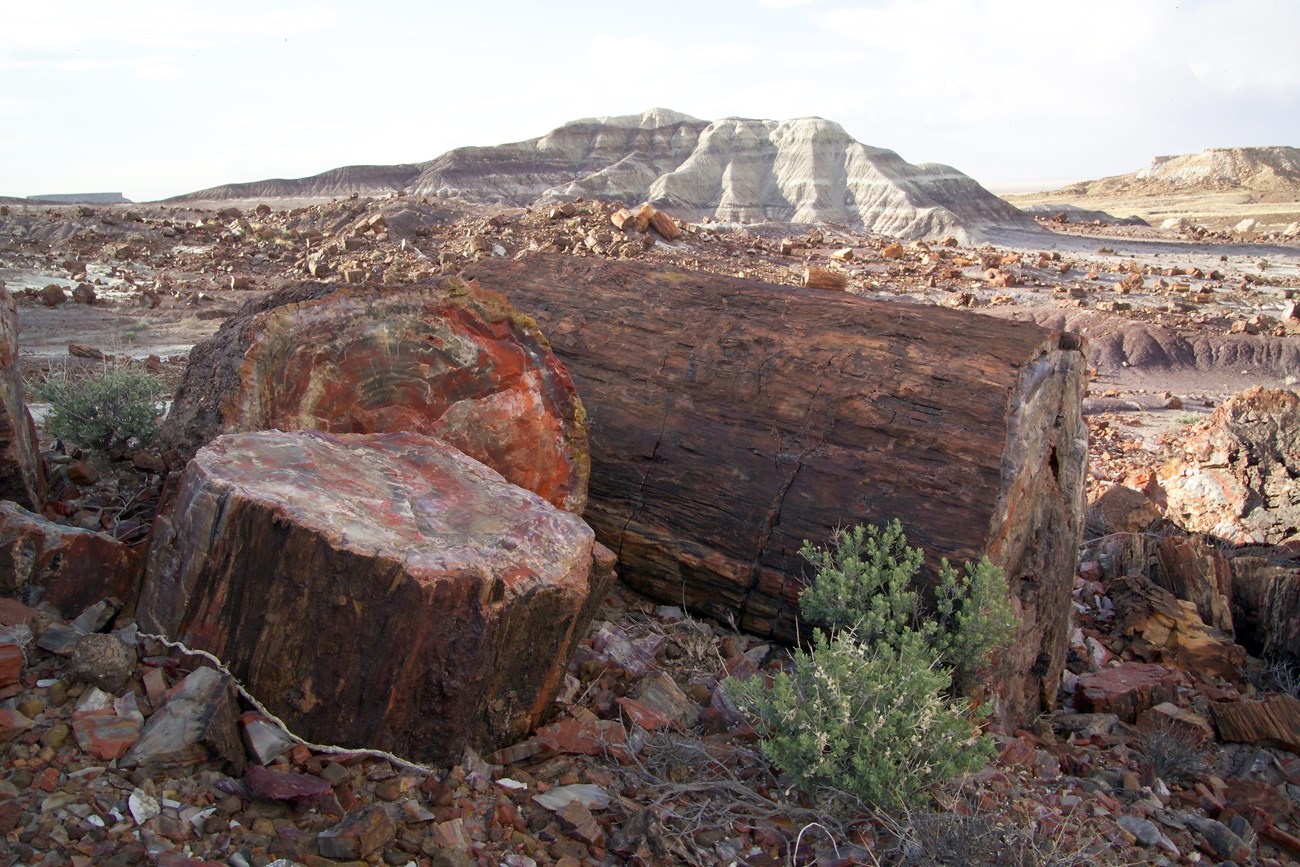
(585,735)
(1266,596)
(67,567)
(195,726)
(1127,689)
(892,251)
(14,613)
(738,419)
(104,734)
(449,599)
(11,663)
(453,363)
(358,834)
(12,723)
(303,789)
(22,473)
(1170,717)
(643,715)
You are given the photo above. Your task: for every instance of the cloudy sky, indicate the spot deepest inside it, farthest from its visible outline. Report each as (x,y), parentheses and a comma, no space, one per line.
(159,97)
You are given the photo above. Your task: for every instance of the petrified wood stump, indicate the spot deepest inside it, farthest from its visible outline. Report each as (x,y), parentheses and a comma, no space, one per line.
(462,366)
(373,590)
(730,420)
(22,475)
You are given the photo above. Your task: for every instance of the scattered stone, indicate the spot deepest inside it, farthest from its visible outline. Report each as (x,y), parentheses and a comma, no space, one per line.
(303,789)
(360,833)
(52,295)
(196,725)
(103,660)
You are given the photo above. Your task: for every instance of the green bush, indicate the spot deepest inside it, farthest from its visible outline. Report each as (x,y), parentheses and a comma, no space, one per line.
(868,708)
(105,411)
(871,721)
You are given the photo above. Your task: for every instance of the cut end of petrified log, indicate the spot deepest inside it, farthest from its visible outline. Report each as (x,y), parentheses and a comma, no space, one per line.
(384,591)
(446,361)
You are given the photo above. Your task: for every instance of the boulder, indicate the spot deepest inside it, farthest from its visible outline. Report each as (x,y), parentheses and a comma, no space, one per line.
(1235,478)
(374,590)
(67,567)
(732,420)
(463,366)
(22,475)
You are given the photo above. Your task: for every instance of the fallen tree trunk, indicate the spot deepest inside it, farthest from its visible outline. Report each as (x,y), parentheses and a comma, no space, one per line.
(730,420)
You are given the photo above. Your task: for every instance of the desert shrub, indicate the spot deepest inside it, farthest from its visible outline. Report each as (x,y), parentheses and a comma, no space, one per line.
(104,411)
(868,708)
(864,581)
(868,720)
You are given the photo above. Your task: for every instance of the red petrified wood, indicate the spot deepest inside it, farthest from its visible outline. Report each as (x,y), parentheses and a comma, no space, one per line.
(374,590)
(460,365)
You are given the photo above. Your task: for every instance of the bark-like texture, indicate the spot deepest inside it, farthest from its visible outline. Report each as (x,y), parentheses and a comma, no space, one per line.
(22,475)
(730,420)
(67,567)
(459,365)
(373,590)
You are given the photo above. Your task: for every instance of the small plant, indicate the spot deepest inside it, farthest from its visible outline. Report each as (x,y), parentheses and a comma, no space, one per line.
(104,411)
(863,583)
(1187,418)
(1175,754)
(868,709)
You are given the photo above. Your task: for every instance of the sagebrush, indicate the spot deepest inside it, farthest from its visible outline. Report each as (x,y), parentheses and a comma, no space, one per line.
(869,709)
(109,410)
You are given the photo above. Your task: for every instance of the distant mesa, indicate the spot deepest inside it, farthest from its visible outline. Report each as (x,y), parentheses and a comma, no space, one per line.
(805,170)
(1270,172)
(79,199)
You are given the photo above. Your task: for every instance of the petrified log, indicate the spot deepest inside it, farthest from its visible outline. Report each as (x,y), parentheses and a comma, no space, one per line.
(379,590)
(1273,721)
(732,419)
(1266,605)
(462,366)
(22,475)
(824,278)
(1126,690)
(67,567)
